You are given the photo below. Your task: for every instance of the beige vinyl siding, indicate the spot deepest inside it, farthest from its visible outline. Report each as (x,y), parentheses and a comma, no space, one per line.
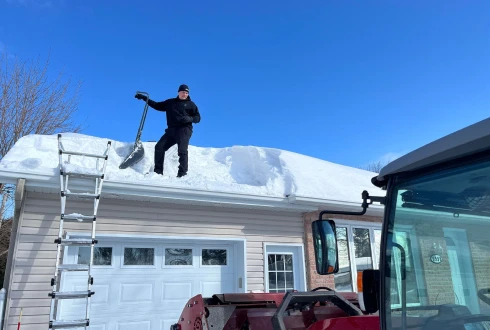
(34,264)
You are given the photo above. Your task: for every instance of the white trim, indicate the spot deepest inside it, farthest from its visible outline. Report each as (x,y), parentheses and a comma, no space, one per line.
(352,257)
(302,259)
(244,278)
(238,242)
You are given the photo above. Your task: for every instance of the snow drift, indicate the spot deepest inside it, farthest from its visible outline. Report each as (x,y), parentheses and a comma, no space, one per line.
(240,169)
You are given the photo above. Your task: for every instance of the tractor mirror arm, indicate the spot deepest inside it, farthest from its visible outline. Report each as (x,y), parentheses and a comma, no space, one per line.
(366,201)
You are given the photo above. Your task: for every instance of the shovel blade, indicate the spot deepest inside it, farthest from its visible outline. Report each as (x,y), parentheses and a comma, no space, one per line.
(135,156)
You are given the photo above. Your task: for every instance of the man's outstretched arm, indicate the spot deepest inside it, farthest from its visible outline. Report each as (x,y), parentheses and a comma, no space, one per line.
(160,106)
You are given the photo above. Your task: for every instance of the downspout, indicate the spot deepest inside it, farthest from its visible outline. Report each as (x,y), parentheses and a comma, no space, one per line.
(20,194)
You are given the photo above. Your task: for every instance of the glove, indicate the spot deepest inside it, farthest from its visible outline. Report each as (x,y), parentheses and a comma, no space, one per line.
(141,97)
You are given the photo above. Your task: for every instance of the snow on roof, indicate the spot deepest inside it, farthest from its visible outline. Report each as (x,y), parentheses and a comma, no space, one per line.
(238,169)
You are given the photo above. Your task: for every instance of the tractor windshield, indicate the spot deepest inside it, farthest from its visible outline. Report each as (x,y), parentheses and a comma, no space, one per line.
(438,250)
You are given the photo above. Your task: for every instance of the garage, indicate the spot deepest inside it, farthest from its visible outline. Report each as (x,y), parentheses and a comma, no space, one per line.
(145,283)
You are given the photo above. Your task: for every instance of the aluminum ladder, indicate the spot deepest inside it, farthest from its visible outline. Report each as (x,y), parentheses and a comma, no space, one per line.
(97,174)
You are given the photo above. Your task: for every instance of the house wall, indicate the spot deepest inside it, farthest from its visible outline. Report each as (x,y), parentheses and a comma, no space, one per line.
(34,263)
(314,279)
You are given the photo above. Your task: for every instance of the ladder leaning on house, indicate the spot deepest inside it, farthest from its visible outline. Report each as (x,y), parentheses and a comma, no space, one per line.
(97,174)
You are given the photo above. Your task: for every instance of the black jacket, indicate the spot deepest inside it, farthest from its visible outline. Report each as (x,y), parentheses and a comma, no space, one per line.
(179,112)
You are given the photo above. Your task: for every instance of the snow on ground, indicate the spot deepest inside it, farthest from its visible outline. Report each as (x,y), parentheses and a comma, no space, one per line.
(239,169)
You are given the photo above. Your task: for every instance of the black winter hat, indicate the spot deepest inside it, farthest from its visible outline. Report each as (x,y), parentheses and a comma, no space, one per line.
(184,87)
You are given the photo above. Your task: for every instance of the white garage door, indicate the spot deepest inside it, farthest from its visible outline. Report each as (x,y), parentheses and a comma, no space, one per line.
(144,285)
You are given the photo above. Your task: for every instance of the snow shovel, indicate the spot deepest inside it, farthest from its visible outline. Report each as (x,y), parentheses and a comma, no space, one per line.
(138,152)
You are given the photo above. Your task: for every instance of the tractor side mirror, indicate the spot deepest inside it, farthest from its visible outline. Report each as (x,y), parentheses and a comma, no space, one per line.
(325,244)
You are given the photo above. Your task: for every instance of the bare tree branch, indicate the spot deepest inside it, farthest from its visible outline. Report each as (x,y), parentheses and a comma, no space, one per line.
(32,104)
(374,167)
(5,231)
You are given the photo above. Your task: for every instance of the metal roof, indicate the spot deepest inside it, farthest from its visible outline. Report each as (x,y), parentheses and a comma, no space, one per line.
(471,139)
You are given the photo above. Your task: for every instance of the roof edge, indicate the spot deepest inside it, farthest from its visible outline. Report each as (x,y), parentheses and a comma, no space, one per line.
(180,195)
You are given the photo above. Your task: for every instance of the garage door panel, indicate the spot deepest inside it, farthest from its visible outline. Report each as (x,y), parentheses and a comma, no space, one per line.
(176,291)
(136,293)
(101,296)
(208,288)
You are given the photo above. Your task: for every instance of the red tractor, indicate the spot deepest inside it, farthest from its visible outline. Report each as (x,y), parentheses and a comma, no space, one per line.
(435,254)
(319,309)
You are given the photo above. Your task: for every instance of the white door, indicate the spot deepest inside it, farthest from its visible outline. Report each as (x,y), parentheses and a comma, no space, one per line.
(144,285)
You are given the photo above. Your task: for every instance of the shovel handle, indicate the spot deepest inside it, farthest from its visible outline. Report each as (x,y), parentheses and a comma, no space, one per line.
(143,118)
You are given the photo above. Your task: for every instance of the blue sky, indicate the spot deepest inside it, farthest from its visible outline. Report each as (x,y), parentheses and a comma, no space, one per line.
(345,81)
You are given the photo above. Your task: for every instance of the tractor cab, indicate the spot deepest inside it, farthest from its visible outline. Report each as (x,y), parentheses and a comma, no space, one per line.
(434,270)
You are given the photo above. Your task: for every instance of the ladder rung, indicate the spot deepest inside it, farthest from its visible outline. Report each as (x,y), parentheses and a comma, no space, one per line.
(73,268)
(83,175)
(76,153)
(75,241)
(68,324)
(71,294)
(79,195)
(76,217)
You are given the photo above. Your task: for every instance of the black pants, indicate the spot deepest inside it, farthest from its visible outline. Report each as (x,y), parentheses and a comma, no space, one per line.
(173,135)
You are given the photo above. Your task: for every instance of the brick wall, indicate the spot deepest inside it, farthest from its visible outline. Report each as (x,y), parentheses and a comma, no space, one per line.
(439,275)
(313,278)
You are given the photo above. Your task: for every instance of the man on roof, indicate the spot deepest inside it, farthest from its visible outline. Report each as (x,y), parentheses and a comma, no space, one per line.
(181,113)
